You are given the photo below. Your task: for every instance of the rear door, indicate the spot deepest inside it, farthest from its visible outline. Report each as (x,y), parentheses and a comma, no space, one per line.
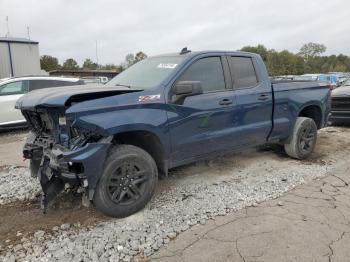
(9,93)
(254,100)
(202,124)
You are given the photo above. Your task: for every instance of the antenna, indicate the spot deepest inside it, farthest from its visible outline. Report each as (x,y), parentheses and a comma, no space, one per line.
(184,51)
(28,32)
(7,25)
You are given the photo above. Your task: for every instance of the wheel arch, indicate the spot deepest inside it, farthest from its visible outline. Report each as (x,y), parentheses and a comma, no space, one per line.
(148,141)
(312,111)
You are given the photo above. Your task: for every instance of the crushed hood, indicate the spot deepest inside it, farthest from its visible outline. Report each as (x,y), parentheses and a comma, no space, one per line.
(68,95)
(341,91)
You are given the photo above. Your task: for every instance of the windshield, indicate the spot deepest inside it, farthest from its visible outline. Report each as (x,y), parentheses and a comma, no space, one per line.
(147,73)
(347,82)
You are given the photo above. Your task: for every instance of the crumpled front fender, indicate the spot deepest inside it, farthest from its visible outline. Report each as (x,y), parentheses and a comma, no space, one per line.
(92,157)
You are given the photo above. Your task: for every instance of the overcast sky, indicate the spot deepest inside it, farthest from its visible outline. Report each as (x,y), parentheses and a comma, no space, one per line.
(70,28)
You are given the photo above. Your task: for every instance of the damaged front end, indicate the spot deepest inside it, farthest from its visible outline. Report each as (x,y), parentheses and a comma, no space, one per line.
(61,153)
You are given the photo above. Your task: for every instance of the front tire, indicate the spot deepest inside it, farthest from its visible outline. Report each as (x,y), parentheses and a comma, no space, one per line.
(303,138)
(128,181)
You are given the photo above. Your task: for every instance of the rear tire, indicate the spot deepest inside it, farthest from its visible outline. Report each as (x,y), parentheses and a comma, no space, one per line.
(128,181)
(303,139)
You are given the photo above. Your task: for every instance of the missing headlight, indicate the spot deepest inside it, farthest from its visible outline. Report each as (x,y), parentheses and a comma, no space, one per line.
(80,137)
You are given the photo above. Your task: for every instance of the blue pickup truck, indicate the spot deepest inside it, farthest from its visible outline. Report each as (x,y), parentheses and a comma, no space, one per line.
(163,112)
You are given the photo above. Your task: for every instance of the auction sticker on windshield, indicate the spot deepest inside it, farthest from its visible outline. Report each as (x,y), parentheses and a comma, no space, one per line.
(167,66)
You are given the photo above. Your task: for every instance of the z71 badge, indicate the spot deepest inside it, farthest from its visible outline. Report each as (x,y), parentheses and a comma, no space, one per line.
(149,98)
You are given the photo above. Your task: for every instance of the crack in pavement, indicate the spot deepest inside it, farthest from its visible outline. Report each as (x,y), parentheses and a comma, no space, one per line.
(180,251)
(239,252)
(332,243)
(309,197)
(341,179)
(251,235)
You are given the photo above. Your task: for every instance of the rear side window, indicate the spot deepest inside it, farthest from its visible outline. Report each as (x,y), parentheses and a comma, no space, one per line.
(14,88)
(208,71)
(243,72)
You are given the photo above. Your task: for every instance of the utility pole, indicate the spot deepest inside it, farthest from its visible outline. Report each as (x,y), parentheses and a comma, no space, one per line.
(8,28)
(97,55)
(28,32)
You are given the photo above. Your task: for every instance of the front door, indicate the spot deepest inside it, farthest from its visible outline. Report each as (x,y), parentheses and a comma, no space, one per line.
(202,124)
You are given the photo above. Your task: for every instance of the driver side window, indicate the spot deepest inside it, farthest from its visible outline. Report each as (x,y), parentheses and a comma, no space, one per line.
(208,71)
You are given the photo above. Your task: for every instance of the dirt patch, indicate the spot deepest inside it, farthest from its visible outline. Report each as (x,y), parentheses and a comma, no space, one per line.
(12,135)
(26,218)
(11,145)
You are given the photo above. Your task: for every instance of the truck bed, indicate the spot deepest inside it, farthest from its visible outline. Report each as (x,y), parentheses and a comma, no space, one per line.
(290,97)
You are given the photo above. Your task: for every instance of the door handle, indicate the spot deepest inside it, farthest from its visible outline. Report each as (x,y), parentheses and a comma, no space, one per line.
(225,102)
(263,97)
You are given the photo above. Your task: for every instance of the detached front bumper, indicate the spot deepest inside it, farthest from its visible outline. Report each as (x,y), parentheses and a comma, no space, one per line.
(91,158)
(59,165)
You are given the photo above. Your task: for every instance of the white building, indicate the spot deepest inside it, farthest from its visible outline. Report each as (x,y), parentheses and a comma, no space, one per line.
(19,57)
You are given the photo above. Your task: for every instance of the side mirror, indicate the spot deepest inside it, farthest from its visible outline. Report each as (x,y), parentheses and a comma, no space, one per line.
(183,89)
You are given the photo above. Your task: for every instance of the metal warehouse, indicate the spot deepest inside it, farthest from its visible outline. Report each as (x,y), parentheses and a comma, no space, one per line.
(19,57)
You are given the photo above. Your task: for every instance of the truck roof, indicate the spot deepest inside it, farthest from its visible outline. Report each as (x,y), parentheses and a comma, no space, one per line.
(190,53)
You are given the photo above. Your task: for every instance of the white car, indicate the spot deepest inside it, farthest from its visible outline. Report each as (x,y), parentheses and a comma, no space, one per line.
(13,88)
(307,77)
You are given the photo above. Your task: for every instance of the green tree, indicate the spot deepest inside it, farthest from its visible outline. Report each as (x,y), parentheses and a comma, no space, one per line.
(140,56)
(118,68)
(278,63)
(311,50)
(70,64)
(49,63)
(89,64)
(339,67)
(131,59)
(259,49)
(308,60)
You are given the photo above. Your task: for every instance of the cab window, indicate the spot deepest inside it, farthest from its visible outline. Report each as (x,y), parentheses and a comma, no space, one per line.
(243,72)
(209,72)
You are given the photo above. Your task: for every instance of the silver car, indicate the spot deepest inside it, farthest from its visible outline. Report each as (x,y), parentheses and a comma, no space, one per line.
(13,88)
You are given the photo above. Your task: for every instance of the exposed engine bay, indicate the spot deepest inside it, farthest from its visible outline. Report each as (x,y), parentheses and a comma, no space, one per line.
(50,146)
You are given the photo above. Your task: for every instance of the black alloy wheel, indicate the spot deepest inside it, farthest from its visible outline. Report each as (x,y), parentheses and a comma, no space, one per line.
(127,183)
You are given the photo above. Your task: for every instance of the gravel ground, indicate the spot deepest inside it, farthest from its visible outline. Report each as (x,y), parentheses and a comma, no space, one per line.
(191,195)
(17,184)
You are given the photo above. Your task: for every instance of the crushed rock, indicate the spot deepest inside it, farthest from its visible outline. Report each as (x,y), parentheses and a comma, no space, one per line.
(168,214)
